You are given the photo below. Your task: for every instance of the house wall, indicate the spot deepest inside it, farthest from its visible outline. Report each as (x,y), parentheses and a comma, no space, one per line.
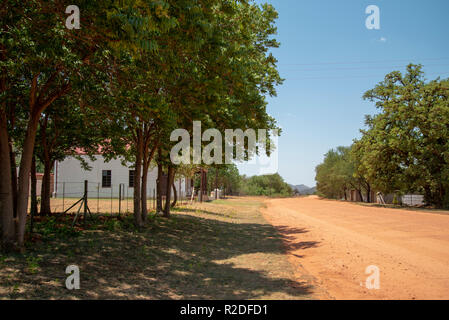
(408,199)
(413,200)
(354,196)
(70,176)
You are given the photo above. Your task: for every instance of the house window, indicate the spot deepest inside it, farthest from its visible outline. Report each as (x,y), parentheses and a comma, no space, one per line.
(106,179)
(131,178)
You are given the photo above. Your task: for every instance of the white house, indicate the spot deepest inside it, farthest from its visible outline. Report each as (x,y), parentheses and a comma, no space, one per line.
(105,179)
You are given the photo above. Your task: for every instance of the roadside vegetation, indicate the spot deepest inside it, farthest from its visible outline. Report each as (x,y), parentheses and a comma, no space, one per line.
(218,250)
(228,178)
(266,185)
(404,147)
(132,73)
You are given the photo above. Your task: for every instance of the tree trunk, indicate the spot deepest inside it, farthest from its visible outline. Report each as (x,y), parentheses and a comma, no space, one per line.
(368,192)
(360,194)
(146,164)
(439,197)
(445,198)
(201,185)
(175,196)
(28,149)
(33,209)
(137,179)
(6,195)
(170,179)
(12,156)
(24,178)
(45,188)
(158,189)
(143,193)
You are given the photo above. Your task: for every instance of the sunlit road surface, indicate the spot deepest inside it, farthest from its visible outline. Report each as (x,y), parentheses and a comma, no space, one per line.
(336,241)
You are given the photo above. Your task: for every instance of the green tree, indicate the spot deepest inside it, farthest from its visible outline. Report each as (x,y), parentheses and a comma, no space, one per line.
(225,177)
(64,129)
(228,72)
(339,174)
(406,145)
(266,185)
(42,61)
(334,175)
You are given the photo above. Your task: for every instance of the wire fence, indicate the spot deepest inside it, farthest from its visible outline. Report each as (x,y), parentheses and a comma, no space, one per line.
(113,199)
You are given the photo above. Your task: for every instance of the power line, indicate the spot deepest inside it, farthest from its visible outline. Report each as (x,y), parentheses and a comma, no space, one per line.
(353,77)
(363,68)
(359,62)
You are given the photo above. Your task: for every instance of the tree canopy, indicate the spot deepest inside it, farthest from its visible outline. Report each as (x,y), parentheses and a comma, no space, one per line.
(266,185)
(404,147)
(133,72)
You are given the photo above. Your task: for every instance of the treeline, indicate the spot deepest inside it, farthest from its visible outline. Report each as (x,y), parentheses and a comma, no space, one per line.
(337,175)
(133,72)
(224,177)
(405,147)
(265,185)
(228,179)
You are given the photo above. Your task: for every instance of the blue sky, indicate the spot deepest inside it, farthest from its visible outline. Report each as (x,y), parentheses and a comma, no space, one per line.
(329,59)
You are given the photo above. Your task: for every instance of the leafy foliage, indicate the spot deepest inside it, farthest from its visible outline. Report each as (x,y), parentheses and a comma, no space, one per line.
(405,147)
(266,185)
(136,70)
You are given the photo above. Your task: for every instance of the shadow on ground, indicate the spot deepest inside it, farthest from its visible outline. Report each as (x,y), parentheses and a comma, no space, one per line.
(185,257)
(287,234)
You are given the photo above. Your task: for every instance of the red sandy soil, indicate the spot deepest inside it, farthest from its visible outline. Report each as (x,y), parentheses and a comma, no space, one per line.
(336,241)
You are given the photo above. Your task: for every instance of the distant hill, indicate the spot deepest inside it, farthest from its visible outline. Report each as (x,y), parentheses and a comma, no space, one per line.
(312,190)
(303,189)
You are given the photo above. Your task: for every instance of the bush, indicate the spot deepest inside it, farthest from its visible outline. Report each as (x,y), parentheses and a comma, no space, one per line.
(267,185)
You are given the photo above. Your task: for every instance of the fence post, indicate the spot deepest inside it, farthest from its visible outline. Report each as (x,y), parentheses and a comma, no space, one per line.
(111,196)
(63,196)
(119,198)
(98,198)
(154,198)
(85,200)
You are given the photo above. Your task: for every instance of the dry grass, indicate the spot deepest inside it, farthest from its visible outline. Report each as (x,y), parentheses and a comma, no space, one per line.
(101,205)
(218,250)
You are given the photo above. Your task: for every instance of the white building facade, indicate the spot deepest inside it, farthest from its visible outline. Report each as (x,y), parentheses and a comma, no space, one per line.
(105,179)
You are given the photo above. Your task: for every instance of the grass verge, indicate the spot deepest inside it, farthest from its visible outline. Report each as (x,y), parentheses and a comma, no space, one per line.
(217,250)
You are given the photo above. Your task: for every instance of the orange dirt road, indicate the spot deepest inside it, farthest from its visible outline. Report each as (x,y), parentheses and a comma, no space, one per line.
(335,242)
